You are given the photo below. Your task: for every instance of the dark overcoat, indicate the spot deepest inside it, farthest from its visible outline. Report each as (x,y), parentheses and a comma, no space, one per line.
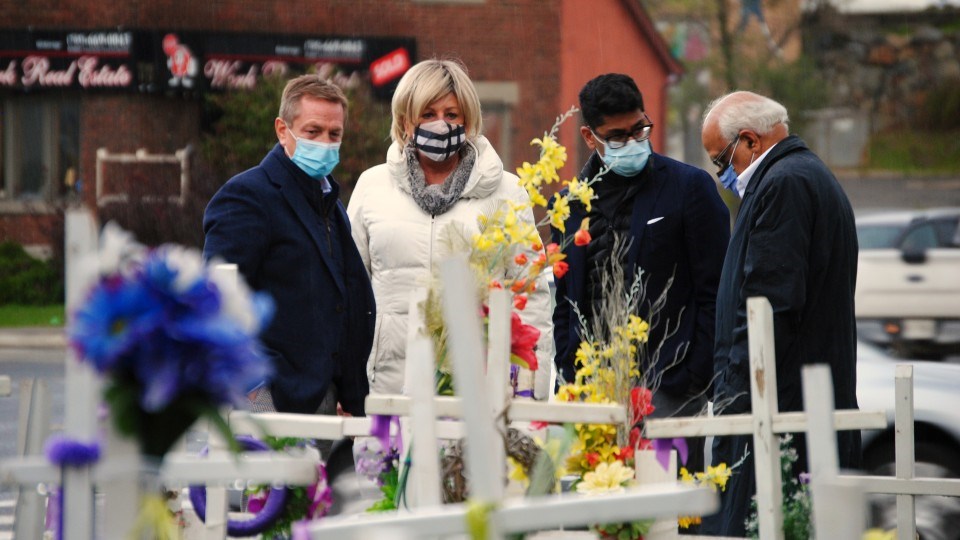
(795,243)
(679,229)
(301,252)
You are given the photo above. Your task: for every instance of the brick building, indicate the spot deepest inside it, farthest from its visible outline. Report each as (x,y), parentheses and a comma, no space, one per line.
(80,75)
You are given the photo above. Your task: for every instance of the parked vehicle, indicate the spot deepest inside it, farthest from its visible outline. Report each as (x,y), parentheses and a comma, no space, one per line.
(908,282)
(936,436)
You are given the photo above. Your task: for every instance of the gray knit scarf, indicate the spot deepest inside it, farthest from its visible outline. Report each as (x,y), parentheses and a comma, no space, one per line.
(435,199)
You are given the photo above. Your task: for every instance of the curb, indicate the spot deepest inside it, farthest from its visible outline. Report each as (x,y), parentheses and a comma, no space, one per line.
(32,341)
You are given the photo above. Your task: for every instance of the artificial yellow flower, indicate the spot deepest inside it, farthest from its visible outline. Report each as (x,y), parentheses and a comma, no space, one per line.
(719,475)
(606,478)
(559,213)
(686,521)
(517,474)
(879,534)
(581,191)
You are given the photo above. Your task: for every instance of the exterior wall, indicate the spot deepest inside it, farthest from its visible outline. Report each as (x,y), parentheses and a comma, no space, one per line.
(601,37)
(529,58)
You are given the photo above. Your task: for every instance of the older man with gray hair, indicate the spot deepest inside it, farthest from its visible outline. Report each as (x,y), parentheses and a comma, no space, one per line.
(794,242)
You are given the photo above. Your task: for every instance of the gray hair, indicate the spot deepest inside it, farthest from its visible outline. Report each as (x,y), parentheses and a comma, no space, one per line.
(741,110)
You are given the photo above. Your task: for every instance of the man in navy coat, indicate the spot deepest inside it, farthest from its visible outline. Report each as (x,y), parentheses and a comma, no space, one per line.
(795,243)
(282,223)
(677,228)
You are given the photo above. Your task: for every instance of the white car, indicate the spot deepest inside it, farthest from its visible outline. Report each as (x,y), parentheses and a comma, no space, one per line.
(936,436)
(908,282)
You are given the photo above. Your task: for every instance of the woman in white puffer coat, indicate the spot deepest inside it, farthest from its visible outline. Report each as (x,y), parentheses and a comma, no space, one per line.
(439,170)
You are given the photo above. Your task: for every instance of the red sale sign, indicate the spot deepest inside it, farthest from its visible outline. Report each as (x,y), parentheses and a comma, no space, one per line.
(389,66)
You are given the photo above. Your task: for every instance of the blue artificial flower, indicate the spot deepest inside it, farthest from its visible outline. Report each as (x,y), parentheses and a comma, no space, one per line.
(116,315)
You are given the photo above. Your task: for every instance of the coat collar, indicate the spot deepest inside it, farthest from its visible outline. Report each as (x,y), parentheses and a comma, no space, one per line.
(484,179)
(786,146)
(286,181)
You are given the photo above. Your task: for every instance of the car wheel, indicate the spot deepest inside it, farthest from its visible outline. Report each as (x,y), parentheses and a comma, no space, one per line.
(934,514)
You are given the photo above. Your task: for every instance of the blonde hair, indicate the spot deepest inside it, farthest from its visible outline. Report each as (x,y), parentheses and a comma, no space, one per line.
(308,85)
(427,82)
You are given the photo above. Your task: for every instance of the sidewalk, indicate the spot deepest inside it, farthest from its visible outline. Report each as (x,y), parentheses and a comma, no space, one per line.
(40,337)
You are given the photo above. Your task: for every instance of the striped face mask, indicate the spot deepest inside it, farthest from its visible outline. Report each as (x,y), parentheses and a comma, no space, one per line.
(439,140)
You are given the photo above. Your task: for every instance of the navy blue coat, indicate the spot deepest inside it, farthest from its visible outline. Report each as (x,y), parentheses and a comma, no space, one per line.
(795,243)
(304,257)
(686,240)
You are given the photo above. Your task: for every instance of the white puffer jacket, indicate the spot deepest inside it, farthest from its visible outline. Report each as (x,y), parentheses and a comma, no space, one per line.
(399,245)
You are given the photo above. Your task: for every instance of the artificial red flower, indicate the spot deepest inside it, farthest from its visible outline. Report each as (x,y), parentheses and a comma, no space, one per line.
(537,425)
(560,269)
(518,285)
(553,247)
(520,259)
(542,258)
(641,404)
(496,285)
(536,246)
(592,458)
(582,237)
(625,454)
(520,301)
(523,340)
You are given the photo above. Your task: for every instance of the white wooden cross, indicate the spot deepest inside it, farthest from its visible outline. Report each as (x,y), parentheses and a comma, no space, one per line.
(485,465)
(825,475)
(764,422)
(419,363)
(116,473)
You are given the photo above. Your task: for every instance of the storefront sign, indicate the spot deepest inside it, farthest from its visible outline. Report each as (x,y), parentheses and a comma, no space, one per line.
(82,59)
(192,62)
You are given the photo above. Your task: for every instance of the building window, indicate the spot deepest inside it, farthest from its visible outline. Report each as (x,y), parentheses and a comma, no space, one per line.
(41,147)
(497,100)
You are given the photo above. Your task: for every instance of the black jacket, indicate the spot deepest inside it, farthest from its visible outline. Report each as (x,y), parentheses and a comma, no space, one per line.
(795,243)
(679,228)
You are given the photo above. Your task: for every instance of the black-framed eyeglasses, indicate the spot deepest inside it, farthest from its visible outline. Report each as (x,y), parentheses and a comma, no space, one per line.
(638,133)
(718,161)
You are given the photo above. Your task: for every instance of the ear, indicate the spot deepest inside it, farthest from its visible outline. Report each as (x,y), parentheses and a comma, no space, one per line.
(751,139)
(281,128)
(588,137)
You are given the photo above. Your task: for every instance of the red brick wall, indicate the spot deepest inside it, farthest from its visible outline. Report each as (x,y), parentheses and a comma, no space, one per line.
(498,40)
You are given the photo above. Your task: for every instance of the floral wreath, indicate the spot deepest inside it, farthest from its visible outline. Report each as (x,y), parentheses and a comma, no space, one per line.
(276,500)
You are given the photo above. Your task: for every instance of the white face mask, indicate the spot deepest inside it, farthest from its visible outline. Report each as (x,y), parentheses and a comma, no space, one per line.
(439,140)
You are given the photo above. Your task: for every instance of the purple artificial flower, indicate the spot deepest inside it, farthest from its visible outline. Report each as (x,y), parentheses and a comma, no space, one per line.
(320,495)
(66,452)
(804,478)
(663,447)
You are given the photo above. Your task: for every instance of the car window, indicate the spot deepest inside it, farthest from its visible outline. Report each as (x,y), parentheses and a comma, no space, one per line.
(878,236)
(948,235)
(923,236)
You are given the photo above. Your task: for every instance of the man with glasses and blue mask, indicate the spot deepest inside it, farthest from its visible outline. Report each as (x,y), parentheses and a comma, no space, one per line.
(676,228)
(284,226)
(795,243)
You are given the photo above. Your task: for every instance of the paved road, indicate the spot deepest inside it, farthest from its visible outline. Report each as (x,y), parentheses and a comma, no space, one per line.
(18,364)
(892,192)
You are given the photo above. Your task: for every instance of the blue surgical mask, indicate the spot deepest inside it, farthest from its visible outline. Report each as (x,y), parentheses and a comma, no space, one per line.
(729,179)
(628,160)
(315,158)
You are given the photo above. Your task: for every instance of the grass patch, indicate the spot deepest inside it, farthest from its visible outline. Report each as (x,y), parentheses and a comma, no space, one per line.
(916,151)
(13,315)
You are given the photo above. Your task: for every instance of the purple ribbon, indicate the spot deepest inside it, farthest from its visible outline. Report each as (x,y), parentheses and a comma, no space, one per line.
(663,447)
(380,428)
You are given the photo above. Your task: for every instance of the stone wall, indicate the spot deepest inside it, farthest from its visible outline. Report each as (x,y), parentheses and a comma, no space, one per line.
(887,66)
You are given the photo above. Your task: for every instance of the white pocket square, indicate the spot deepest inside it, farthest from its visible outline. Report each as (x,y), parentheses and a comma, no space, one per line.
(654,220)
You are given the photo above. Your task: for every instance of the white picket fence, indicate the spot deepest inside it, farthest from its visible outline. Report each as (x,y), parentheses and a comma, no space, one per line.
(481,406)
